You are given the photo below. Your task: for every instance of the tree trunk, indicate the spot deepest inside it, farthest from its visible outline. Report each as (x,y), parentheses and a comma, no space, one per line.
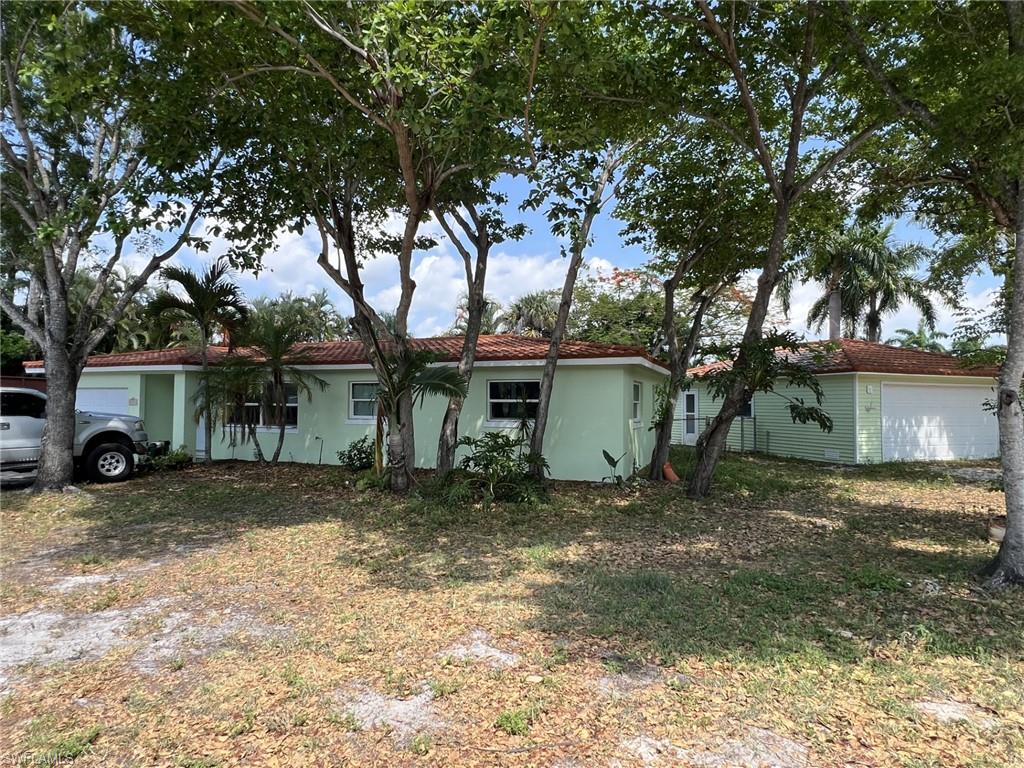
(579,244)
(1008,566)
(279,415)
(711,443)
(547,381)
(56,468)
(449,438)
(873,321)
(207,406)
(835,315)
(679,361)
(476,303)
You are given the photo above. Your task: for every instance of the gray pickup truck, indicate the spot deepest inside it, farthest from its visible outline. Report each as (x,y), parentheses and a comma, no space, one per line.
(106,444)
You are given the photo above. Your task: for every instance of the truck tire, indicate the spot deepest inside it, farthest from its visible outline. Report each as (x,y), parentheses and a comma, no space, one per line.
(110,463)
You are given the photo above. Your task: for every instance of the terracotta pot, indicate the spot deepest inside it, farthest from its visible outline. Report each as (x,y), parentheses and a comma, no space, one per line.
(668,473)
(997,529)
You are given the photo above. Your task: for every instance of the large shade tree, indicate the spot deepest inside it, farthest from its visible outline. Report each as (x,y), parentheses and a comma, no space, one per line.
(358,111)
(767,77)
(99,143)
(955,73)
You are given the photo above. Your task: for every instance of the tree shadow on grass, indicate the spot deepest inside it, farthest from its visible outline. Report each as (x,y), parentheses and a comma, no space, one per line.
(766,571)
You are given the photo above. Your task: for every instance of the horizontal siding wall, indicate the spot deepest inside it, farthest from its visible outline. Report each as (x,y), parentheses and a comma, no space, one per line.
(869,396)
(772,428)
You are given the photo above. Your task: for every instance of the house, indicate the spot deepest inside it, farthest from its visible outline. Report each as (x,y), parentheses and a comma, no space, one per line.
(887,404)
(603,398)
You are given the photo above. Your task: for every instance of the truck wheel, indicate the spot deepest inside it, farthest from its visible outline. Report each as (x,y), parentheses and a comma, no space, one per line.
(110,463)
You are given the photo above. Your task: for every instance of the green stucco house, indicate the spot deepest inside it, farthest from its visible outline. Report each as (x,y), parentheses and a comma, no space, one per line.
(887,404)
(603,399)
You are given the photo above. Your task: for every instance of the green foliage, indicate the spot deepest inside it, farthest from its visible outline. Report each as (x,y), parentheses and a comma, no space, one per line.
(371,481)
(613,466)
(172,460)
(358,456)
(777,357)
(502,469)
(921,338)
(874,277)
(516,722)
(14,349)
(532,314)
(314,317)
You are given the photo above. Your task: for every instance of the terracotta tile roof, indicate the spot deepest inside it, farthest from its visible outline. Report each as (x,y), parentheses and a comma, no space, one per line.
(853,355)
(447,349)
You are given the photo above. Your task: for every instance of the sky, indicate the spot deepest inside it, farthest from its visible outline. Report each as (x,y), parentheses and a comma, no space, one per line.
(515,267)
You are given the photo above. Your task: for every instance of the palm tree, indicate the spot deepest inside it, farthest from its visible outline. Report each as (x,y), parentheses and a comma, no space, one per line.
(866,277)
(410,373)
(490,321)
(211,302)
(532,314)
(261,372)
(923,338)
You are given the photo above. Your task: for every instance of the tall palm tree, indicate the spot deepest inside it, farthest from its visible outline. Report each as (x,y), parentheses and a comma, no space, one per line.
(532,314)
(211,302)
(922,338)
(866,276)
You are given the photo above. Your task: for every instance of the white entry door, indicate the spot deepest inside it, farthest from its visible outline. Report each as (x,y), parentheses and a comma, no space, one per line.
(921,423)
(686,427)
(102,399)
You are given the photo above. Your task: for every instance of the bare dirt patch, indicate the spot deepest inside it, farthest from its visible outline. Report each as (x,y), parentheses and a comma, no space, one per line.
(49,637)
(947,711)
(479,646)
(405,718)
(756,748)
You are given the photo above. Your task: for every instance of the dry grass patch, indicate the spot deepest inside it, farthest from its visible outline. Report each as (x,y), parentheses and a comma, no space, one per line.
(279,617)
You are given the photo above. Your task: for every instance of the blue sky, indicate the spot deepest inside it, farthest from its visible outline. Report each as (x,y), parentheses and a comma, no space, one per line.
(516,267)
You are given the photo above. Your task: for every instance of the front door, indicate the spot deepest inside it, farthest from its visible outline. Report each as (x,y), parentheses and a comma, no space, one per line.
(690,429)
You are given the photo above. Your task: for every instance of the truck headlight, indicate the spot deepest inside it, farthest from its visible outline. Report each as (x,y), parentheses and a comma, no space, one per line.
(140,426)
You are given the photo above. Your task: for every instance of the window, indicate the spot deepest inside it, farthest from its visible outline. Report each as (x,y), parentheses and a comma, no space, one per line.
(747,409)
(690,412)
(22,404)
(512,400)
(362,400)
(638,390)
(264,413)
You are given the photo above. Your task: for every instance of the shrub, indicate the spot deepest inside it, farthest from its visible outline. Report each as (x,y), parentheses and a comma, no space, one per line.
(501,469)
(172,460)
(358,456)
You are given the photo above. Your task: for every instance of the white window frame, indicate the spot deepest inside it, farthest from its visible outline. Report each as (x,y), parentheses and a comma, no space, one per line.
(352,417)
(637,402)
(492,422)
(263,427)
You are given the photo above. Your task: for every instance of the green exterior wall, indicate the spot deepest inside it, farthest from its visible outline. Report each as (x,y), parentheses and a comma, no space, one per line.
(775,432)
(869,406)
(158,400)
(591,409)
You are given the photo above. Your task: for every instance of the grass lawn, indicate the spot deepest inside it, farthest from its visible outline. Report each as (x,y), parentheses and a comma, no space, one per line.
(238,615)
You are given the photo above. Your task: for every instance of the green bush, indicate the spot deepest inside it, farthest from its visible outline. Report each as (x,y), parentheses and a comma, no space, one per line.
(179,458)
(501,470)
(359,454)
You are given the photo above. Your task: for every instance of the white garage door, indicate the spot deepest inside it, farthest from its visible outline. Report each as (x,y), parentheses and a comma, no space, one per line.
(941,422)
(102,400)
